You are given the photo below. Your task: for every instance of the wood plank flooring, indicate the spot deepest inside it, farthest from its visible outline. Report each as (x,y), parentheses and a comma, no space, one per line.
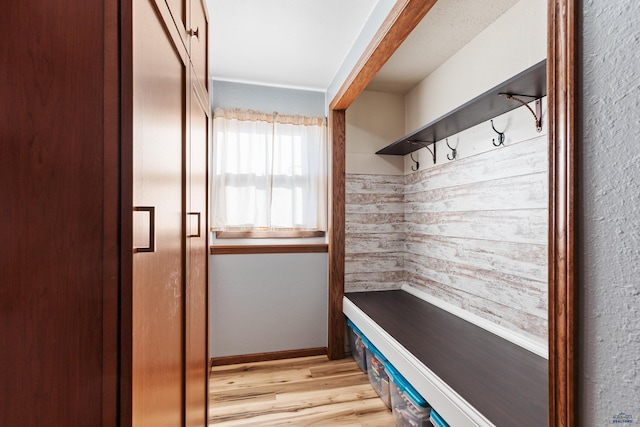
(306,391)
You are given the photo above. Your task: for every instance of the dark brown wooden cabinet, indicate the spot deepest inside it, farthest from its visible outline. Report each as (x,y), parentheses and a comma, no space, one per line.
(158,285)
(103,182)
(191,21)
(197,259)
(169,174)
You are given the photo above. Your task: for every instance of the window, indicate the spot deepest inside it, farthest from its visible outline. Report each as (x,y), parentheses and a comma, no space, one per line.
(269,172)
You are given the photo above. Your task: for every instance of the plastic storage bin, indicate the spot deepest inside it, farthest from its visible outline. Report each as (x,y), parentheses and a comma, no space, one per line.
(378,377)
(357,343)
(408,407)
(437,420)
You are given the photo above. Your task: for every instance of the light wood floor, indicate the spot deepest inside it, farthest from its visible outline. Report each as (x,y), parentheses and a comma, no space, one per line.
(308,391)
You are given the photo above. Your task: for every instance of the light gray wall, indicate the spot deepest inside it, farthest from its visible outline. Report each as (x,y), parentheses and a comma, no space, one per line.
(609,210)
(267,303)
(267,99)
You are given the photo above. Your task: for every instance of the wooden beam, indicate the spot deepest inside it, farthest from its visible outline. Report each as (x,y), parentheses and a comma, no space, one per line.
(336,334)
(403,18)
(561,78)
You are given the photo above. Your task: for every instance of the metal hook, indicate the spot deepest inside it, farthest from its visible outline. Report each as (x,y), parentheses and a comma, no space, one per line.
(454,151)
(417,165)
(500,136)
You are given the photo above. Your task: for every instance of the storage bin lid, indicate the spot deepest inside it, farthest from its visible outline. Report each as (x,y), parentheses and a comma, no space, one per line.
(367,343)
(405,386)
(437,419)
(372,348)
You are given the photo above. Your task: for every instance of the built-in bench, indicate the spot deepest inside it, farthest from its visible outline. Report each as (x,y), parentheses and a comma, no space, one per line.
(470,376)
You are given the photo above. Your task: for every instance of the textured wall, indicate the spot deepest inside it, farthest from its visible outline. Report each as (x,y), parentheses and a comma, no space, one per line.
(609,207)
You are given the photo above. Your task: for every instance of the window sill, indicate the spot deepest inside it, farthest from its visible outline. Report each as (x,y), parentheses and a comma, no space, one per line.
(268,234)
(269,249)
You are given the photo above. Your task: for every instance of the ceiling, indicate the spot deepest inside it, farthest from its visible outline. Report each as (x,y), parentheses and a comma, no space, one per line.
(302,43)
(290,43)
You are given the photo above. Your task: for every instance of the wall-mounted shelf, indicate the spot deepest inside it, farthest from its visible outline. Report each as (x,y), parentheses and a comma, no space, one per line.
(531,83)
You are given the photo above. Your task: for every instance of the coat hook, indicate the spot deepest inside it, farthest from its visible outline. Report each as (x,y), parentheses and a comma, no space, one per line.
(500,136)
(454,151)
(417,164)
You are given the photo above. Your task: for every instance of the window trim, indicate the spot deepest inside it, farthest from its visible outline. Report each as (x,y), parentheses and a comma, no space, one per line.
(269,234)
(269,249)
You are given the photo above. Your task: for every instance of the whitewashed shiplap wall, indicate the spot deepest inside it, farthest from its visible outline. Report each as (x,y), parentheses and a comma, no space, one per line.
(476,235)
(472,233)
(374,232)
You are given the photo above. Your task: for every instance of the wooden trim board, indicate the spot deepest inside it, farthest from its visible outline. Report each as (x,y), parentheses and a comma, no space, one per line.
(561,75)
(263,357)
(336,328)
(267,249)
(403,18)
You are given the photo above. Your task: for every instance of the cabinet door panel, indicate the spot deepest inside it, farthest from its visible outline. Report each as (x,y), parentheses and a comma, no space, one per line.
(158,280)
(198,46)
(197,261)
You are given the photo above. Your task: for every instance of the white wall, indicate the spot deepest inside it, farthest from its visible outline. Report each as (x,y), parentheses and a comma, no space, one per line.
(514,42)
(373,121)
(609,212)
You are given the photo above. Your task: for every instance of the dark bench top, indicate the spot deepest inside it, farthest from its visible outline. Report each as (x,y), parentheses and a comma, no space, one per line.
(503,381)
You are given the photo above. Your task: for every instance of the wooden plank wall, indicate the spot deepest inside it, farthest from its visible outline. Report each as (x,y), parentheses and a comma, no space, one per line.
(374,232)
(476,235)
(471,232)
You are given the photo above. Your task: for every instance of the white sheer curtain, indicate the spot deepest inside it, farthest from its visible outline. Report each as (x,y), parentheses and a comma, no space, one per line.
(269,172)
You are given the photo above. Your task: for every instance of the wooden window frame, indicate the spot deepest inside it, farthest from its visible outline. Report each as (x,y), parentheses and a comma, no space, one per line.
(257,234)
(562,100)
(269,249)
